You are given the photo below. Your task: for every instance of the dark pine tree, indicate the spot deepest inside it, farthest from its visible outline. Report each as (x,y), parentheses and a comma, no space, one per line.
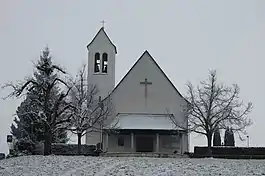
(231,137)
(226,137)
(27,130)
(29,127)
(217,138)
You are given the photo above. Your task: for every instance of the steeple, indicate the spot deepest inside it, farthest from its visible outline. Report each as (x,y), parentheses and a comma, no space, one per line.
(101,63)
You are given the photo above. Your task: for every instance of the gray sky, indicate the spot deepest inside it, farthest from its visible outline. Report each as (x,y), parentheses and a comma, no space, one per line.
(186,38)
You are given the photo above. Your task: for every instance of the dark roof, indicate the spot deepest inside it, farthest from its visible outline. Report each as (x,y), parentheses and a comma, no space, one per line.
(146,52)
(102,29)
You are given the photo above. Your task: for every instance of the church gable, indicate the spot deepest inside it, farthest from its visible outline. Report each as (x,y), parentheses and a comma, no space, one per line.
(146,89)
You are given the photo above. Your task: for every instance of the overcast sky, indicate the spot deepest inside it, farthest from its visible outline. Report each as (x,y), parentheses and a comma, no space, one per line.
(186,38)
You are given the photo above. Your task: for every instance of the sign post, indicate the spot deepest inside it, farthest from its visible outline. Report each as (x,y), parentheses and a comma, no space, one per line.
(9,140)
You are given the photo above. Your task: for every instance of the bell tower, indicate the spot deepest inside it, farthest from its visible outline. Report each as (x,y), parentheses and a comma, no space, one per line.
(101,63)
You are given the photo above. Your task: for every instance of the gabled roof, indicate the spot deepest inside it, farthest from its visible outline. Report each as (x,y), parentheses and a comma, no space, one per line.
(146,52)
(102,29)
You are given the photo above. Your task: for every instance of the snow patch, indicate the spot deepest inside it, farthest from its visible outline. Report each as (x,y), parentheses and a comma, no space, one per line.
(120,166)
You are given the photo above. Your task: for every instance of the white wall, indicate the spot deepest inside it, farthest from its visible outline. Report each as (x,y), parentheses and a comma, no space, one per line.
(168,143)
(113,143)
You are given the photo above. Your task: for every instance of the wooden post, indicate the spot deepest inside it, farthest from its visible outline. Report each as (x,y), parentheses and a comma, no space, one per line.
(157,142)
(183,142)
(132,142)
(107,142)
(180,141)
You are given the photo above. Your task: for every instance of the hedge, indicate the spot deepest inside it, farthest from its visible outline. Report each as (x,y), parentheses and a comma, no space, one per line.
(68,149)
(230,151)
(2,156)
(230,156)
(72,149)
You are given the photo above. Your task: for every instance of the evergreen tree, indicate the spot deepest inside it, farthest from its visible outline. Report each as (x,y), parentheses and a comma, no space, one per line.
(229,138)
(226,137)
(25,121)
(232,137)
(217,138)
(30,124)
(44,75)
(27,131)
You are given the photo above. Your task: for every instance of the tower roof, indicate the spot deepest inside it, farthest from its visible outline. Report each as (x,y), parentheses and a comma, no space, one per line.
(104,32)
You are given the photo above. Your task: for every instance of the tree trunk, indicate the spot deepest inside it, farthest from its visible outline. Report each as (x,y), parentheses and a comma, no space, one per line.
(209,145)
(47,141)
(79,136)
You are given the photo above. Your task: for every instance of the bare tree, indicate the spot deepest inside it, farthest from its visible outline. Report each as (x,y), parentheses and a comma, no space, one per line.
(213,106)
(50,112)
(89,112)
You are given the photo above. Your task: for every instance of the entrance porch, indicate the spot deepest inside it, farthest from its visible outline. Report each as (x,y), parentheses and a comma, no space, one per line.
(144,141)
(144,133)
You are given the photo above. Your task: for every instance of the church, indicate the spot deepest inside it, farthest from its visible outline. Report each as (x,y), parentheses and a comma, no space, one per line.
(144,102)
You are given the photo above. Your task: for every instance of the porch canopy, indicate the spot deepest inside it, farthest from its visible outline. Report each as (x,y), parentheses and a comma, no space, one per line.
(143,122)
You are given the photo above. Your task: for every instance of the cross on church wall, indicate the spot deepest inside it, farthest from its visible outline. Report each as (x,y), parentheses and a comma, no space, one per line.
(145,83)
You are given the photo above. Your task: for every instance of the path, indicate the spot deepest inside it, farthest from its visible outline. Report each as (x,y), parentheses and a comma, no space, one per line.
(86,167)
(107,170)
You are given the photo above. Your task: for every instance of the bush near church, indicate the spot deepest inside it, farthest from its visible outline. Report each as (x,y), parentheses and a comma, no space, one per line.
(72,149)
(68,149)
(2,156)
(231,152)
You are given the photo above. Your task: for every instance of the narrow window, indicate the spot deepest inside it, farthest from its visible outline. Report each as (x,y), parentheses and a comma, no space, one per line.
(97,63)
(121,141)
(105,63)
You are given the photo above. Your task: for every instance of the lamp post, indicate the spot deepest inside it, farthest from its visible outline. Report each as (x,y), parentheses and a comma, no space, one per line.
(248,140)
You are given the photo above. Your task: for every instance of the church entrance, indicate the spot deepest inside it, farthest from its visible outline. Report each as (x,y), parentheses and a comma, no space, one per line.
(144,144)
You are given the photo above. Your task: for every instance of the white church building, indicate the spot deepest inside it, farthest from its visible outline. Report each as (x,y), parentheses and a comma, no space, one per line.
(142,102)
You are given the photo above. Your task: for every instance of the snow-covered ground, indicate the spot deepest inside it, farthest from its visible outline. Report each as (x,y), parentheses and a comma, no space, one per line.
(99,166)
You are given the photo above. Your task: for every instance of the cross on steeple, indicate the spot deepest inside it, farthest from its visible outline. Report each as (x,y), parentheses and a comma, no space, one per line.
(146,83)
(103,22)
